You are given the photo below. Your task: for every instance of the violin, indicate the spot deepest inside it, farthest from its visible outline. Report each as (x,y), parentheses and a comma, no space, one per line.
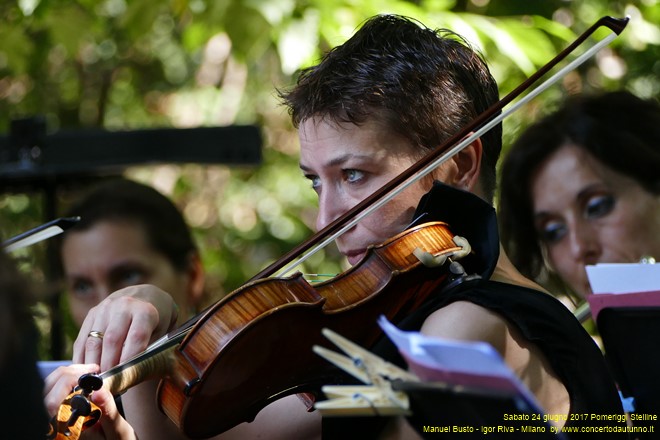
(254,346)
(248,349)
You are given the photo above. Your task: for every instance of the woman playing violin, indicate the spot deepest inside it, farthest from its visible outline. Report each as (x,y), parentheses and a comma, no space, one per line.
(367,111)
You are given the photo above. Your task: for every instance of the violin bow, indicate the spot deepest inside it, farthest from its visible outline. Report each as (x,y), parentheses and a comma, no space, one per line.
(40,233)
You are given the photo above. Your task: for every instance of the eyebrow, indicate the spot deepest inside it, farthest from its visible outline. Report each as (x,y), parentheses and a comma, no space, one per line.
(114,271)
(580,197)
(338,161)
(541,216)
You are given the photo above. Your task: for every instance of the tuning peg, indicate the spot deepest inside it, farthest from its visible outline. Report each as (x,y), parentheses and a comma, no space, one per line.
(80,407)
(89,382)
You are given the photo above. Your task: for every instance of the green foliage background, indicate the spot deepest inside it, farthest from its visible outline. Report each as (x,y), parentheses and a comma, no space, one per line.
(123,65)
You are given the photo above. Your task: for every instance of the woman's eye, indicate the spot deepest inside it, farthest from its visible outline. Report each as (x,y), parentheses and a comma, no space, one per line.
(314,180)
(132,277)
(353,176)
(81,289)
(599,206)
(553,232)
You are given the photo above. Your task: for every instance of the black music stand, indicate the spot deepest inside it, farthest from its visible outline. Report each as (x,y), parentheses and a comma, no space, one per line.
(30,156)
(32,160)
(631,339)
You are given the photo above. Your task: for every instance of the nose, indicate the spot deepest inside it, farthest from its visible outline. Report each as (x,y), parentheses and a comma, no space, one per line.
(103,292)
(330,208)
(100,290)
(584,243)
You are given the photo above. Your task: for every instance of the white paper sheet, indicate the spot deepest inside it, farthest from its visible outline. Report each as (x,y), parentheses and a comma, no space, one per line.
(624,277)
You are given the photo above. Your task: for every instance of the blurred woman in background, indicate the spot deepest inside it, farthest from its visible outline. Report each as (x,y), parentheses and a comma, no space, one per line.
(582,186)
(128,234)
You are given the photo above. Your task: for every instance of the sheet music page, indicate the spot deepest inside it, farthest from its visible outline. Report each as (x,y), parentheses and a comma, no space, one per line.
(446,354)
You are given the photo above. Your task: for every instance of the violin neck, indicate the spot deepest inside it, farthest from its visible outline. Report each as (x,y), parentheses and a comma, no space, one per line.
(155,362)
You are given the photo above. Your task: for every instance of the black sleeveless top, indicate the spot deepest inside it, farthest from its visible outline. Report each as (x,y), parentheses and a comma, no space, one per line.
(539,317)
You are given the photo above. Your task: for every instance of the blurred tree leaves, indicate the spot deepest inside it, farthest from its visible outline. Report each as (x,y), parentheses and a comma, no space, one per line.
(123,64)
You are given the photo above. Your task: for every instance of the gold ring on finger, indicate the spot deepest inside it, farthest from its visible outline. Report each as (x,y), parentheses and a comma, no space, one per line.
(95,334)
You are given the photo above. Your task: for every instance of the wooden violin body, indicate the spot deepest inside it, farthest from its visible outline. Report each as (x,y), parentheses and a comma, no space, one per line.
(255,345)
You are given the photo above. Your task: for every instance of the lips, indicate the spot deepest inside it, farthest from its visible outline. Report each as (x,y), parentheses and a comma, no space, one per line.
(355,256)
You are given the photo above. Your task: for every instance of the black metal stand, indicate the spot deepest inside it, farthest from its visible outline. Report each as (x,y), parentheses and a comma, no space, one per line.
(631,338)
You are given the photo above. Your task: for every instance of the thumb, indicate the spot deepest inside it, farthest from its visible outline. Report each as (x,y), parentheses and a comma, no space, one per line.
(111,426)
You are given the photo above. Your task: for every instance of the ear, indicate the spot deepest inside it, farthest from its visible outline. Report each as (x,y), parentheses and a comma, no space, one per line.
(195,290)
(466,167)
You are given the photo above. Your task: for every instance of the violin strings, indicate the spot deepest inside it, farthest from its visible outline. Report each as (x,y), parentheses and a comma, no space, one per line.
(154,348)
(309,277)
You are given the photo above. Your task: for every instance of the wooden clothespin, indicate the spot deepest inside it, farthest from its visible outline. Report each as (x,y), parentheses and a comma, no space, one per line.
(376,397)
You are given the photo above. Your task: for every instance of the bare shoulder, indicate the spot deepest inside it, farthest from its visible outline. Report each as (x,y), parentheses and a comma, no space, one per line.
(467,321)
